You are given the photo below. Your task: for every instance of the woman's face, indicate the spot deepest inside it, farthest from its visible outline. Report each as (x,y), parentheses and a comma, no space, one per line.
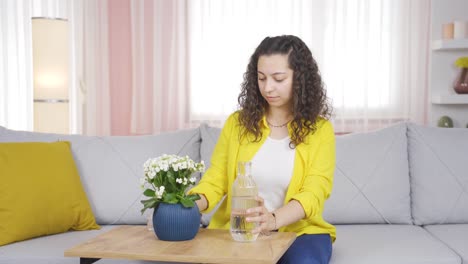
(275,80)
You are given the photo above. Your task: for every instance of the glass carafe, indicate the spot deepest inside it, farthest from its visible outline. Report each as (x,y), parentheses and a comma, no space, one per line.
(244,191)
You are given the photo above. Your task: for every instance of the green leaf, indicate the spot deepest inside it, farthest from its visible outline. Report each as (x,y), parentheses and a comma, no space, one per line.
(149,193)
(150,203)
(170,174)
(187,202)
(144,201)
(170,198)
(158,180)
(193,197)
(171,180)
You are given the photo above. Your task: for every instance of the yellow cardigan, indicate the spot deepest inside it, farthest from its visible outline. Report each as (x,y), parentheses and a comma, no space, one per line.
(310,184)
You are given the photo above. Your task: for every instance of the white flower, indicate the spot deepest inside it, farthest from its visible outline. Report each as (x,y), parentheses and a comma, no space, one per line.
(193,179)
(159,192)
(179,180)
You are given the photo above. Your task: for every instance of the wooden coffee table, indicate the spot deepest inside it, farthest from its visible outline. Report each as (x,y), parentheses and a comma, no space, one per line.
(209,246)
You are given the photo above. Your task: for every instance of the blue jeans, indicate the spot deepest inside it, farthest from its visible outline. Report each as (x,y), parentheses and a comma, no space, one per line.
(309,249)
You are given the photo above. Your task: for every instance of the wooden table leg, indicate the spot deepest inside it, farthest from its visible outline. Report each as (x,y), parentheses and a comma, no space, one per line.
(88,260)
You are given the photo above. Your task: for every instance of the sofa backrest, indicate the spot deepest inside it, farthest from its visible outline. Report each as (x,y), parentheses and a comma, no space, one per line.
(439,174)
(374,172)
(110,167)
(371,183)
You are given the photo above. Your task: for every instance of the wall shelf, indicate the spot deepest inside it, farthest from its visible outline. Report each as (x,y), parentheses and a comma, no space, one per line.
(450,99)
(451,44)
(443,101)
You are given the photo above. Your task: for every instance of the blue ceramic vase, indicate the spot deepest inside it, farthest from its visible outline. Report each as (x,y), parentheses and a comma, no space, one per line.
(174,222)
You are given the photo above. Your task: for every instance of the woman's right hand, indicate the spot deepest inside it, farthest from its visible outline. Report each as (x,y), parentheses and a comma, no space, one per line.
(261,215)
(202,203)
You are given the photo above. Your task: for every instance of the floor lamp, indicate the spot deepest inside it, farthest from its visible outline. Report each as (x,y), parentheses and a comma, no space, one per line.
(51,75)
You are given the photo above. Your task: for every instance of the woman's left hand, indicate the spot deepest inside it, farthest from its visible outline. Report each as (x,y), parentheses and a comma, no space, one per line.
(266,220)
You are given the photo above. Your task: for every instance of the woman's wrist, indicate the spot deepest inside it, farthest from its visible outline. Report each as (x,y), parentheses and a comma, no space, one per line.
(273,214)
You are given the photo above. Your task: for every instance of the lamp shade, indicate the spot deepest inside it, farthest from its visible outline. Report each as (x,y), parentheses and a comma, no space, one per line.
(50,58)
(50,43)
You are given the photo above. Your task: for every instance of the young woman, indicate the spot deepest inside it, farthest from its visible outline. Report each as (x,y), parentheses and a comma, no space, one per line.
(282,127)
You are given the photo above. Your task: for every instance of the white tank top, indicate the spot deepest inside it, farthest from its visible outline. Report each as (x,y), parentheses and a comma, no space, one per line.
(272,169)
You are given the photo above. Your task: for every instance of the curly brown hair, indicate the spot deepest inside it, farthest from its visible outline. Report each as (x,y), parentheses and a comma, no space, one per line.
(309,95)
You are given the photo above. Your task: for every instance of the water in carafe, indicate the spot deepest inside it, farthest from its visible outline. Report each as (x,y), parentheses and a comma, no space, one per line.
(244,191)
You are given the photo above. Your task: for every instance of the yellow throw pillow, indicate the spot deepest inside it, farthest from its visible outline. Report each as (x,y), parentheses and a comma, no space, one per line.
(40,192)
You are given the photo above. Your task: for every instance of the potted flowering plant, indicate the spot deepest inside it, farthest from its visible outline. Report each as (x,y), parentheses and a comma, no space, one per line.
(461,82)
(165,181)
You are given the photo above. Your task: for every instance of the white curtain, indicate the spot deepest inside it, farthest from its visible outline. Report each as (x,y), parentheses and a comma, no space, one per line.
(133,77)
(160,56)
(376,62)
(223,36)
(92,35)
(16,93)
(372,54)
(50,8)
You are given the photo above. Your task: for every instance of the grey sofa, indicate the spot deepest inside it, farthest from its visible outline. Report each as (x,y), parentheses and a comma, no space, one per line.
(400,194)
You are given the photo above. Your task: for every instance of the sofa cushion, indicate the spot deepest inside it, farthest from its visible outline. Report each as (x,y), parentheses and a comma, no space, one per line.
(439,176)
(50,249)
(402,244)
(111,167)
(40,192)
(371,183)
(454,236)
